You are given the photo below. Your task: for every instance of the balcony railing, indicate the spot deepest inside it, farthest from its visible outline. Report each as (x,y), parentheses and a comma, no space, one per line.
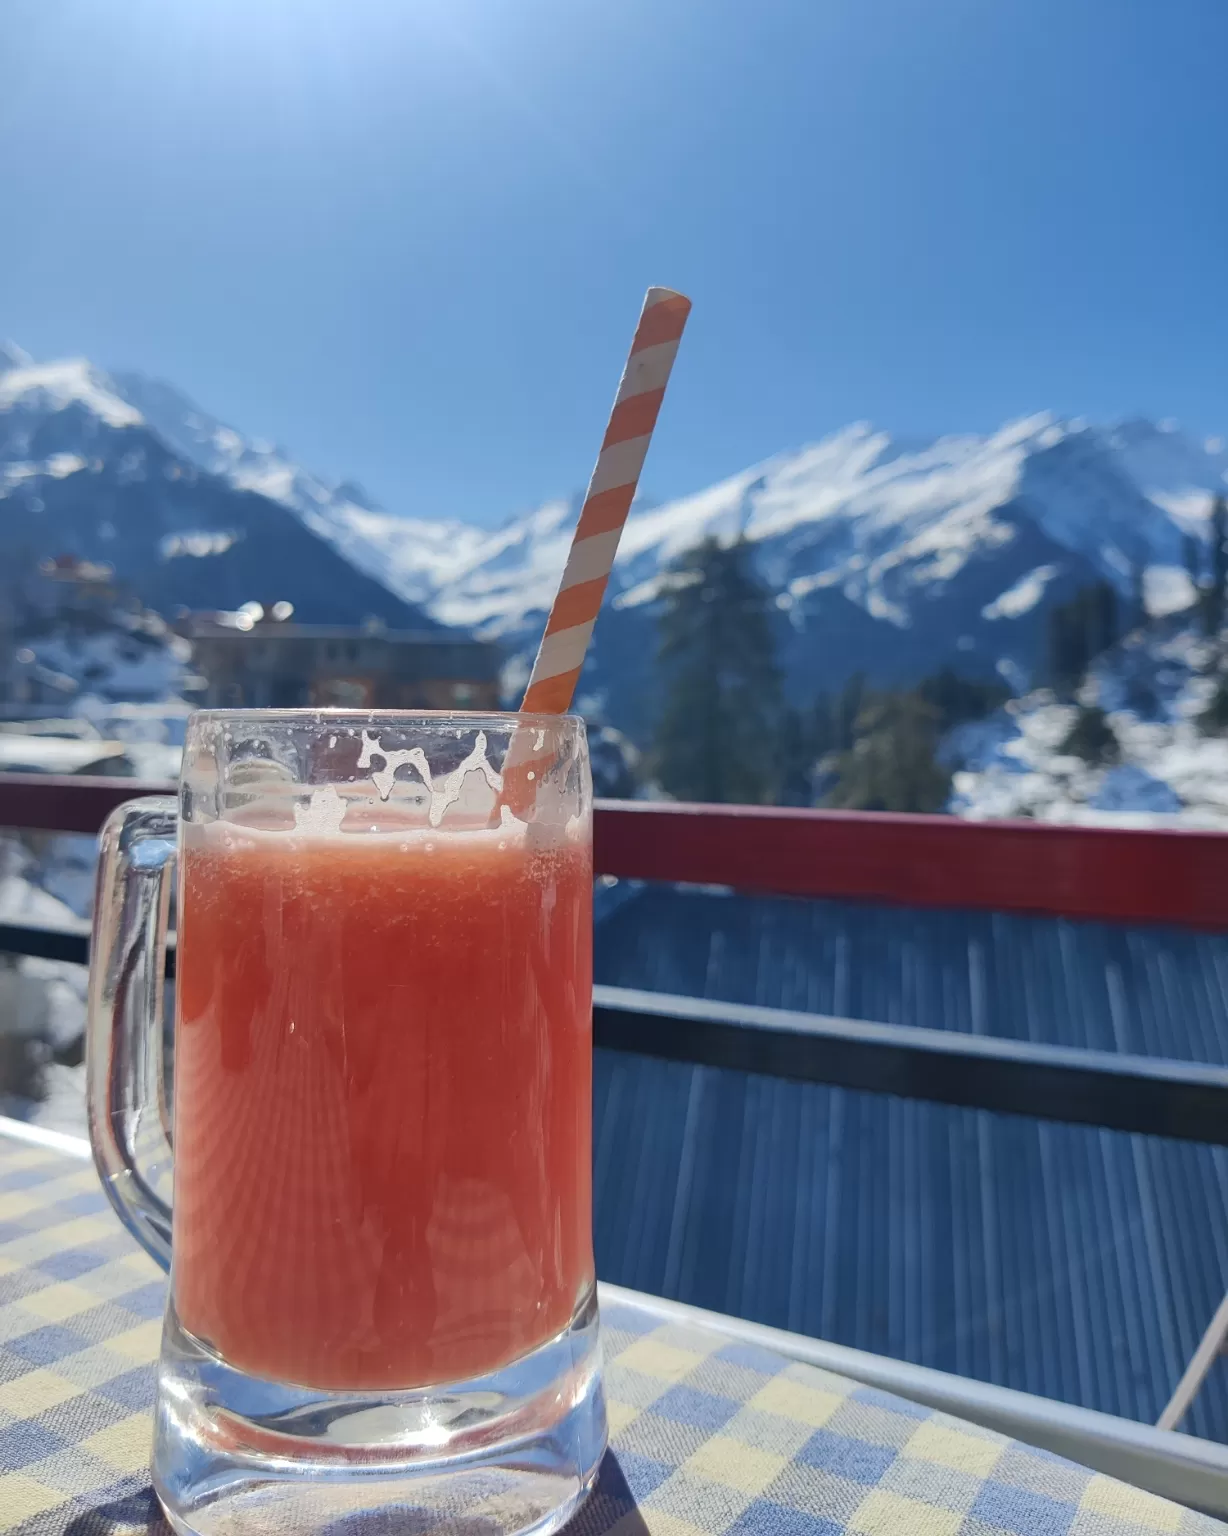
(1152,876)
(1174,877)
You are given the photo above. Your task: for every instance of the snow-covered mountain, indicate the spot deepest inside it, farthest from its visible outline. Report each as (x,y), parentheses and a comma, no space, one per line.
(84,473)
(888,556)
(341,513)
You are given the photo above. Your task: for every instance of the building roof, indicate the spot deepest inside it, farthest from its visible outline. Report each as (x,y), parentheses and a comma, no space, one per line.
(59,754)
(220,626)
(447,653)
(1154,990)
(1072,1262)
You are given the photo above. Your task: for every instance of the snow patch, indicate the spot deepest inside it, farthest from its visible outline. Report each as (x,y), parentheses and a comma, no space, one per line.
(1023,596)
(58,385)
(276,481)
(209,541)
(60,465)
(1167,589)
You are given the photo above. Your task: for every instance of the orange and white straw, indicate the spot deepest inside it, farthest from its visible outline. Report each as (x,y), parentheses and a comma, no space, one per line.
(607,503)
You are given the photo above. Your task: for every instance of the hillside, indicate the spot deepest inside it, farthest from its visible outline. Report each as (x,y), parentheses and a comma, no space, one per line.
(1154,687)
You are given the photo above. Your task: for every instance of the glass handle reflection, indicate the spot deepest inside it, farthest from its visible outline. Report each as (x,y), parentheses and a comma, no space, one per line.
(125,1050)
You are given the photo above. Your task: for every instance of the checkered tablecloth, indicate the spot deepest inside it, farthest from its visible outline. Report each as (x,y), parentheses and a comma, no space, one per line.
(710,1438)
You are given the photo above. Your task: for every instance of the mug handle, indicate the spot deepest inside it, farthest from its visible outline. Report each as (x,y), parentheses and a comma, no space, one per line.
(129,1118)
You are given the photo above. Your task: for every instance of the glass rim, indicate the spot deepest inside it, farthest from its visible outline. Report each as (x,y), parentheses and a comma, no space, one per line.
(469,718)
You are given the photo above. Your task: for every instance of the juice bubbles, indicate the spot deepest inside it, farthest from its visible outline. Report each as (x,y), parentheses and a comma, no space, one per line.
(382,1099)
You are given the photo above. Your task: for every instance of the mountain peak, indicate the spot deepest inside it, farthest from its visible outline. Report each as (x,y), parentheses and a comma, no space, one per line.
(13,356)
(74,381)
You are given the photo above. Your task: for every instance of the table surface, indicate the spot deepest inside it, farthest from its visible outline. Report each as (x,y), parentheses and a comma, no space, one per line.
(709,1437)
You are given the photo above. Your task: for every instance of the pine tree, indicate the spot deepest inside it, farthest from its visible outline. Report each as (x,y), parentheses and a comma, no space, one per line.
(1214,719)
(1102,620)
(892,764)
(1138,593)
(1079,631)
(959,699)
(846,707)
(718,732)
(1191,558)
(795,759)
(1067,651)
(1214,591)
(1092,738)
(823,725)
(833,731)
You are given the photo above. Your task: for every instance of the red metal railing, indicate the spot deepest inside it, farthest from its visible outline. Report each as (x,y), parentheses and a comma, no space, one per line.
(1178,877)
(1161,876)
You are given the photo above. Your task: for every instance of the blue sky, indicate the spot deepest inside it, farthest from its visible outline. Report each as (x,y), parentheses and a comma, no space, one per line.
(407,239)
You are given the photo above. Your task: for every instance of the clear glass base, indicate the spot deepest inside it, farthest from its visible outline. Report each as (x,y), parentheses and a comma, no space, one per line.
(513,1452)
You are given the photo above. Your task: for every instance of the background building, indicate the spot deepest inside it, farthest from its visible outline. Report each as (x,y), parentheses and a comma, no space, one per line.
(249,660)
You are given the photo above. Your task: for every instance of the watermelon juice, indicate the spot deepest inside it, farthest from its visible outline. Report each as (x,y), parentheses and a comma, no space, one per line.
(382,1099)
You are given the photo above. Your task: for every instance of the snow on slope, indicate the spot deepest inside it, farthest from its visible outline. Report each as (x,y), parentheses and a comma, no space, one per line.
(1153,686)
(877,520)
(1173,470)
(860,504)
(52,386)
(420,553)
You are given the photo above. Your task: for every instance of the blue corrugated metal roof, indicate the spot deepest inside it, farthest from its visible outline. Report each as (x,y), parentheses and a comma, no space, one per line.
(1063,1260)
(1157,991)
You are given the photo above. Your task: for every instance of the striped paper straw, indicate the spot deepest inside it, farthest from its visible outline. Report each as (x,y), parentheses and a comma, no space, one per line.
(607,502)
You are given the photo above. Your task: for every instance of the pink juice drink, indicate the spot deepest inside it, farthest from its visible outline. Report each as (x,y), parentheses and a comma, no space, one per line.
(383,1100)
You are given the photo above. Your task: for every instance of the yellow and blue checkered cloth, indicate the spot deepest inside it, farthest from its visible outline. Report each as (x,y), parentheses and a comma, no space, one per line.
(710,1438)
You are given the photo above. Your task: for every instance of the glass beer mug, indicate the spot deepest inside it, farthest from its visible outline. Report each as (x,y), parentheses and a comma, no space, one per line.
(382,1310)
